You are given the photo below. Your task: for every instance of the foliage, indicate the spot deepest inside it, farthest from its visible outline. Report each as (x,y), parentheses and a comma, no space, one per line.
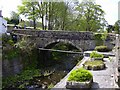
(50,86)
(117,27)
(96,55)
(25,75)
(25,44)
(62,46)
(104,36)
(85,16)
(11,53)
(110,28)
(29,9)
(6,39)
(102,49)
(97,36)
(94,63)
(98,39)
(80,75)
(90,16)
(14,19)
(10,42)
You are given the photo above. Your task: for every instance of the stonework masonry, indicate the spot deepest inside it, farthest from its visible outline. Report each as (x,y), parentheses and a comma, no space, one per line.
(47,39)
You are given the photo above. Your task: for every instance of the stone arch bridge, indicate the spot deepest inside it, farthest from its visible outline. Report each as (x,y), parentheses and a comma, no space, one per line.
(47,39)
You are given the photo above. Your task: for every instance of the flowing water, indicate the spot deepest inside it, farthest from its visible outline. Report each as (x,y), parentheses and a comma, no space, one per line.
(44,81)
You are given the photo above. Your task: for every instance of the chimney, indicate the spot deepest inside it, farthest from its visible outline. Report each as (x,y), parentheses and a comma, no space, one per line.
(1,13)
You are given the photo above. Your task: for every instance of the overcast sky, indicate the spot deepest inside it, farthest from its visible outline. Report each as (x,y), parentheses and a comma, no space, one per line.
(109,6)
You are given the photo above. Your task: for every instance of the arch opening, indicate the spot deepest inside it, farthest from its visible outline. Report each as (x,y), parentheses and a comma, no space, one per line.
(62,45)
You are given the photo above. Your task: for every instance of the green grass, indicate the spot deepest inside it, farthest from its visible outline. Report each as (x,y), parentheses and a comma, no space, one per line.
(94,63)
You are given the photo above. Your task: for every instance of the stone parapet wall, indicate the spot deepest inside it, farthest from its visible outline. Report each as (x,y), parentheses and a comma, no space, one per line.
(56,34)
(81,40)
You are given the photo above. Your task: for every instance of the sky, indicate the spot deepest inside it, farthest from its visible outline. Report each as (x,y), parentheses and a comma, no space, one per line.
(109,6)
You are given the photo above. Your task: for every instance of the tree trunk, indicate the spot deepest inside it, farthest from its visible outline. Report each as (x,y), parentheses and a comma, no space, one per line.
(34,21)
(42,22)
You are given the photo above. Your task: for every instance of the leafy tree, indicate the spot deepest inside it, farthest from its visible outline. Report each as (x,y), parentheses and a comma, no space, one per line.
(14,18)
(117,27)
(90,16)
(29,9)
(53,14)
(7,19)
(58,15)
(110,28)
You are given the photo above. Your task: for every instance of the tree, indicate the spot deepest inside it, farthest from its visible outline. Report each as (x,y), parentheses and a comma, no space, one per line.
(29,9)
(53,14)
(57,15)
(7,19)
(117,27)
(14,18)
(90,16)
(110,28)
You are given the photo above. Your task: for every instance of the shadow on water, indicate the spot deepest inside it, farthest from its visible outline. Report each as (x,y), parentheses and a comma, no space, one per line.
(60,69)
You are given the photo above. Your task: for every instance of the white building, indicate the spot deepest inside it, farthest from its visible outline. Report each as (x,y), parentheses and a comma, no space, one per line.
(3,24)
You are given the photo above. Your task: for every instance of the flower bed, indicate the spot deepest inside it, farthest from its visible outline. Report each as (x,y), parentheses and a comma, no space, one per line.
(102,49)
(96,56)
(94,65)
(79,78)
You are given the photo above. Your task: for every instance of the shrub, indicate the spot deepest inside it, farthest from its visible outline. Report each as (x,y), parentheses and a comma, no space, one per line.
(96,55)
(102,49)
(80,75)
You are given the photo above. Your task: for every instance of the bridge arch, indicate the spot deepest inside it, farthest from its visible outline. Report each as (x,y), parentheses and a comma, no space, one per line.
(54,42)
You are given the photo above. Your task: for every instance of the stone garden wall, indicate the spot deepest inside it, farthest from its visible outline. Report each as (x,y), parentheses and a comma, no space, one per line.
(11,67)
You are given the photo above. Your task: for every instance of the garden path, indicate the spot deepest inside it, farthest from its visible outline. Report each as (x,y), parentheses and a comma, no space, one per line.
(105,78)
(102,78)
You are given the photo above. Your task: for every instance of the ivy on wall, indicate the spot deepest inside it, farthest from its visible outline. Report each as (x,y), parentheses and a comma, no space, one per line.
(98,39)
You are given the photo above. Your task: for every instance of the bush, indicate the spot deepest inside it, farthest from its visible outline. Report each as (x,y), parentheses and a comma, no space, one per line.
(102,49)
(80,75)
(96,55)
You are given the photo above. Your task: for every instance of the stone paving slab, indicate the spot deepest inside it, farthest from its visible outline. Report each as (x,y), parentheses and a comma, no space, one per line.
(105,78)
(101,79)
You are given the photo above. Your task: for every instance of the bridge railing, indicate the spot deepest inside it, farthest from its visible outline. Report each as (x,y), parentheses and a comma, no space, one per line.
(55,34)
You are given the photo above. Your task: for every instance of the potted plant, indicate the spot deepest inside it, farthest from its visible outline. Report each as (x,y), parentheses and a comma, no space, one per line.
(79,78)
(95,65)
(96,56)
